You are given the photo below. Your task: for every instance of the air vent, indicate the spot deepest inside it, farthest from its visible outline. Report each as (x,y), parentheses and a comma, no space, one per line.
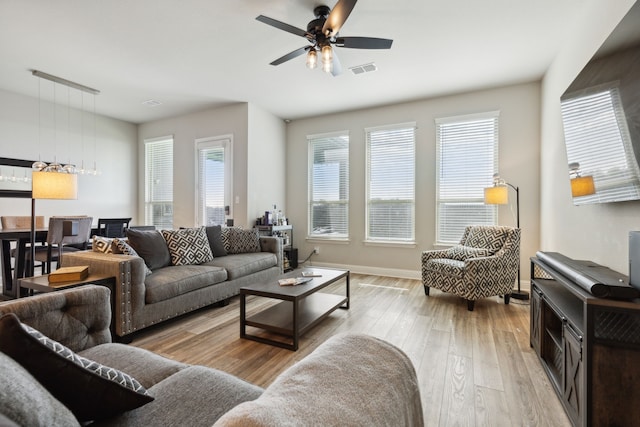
(151,103)
(361,69)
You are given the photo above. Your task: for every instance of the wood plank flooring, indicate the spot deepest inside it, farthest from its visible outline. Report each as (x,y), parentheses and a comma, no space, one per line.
(474,368)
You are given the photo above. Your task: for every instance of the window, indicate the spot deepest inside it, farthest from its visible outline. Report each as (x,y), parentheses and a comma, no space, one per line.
(158,155)
(391,184)
(597,138)
(214,179)
(467,158)
(329,186)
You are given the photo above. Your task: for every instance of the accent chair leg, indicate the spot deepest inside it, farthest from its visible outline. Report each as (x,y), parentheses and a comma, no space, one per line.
(426,290)
(507,298)
(470,304)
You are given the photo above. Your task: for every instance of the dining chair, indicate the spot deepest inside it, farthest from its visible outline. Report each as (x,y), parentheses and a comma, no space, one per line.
(65,234)
(113,227)
(24,222)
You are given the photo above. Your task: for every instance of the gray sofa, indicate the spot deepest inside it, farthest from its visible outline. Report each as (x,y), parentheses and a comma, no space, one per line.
(354,380)
(142,299)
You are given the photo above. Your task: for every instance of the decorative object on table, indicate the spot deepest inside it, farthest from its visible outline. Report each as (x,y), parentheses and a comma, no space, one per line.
(293,281)
(67,274)
(499,195)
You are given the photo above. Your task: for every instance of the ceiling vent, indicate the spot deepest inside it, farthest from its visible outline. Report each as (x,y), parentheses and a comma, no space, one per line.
(151,103)
(361,69)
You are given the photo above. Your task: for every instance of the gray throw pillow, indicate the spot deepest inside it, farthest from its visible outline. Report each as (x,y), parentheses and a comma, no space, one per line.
(214,234)
(120,246)
(89,389)
(151,246)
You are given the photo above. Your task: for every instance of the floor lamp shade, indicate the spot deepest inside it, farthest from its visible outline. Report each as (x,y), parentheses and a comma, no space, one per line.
(497,195)
(54,185)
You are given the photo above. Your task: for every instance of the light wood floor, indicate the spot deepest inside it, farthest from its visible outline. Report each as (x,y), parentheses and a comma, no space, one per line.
(474,368)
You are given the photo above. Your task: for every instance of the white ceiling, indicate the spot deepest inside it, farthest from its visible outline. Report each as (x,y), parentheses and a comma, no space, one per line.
(196,54)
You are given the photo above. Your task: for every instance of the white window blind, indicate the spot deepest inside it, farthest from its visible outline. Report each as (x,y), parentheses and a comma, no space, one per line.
(391,183)
(329,186)
(467,158)
(159,183)
(597,137)
(214,180)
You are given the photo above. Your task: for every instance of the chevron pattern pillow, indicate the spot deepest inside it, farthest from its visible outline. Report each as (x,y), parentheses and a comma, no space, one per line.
(188,246)
(89,389)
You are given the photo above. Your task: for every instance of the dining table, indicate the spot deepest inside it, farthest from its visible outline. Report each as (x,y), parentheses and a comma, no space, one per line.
(21,236)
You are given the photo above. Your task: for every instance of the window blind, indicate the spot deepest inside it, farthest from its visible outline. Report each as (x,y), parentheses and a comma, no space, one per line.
(391,183)
(211,184)
(159,183)
(467,157)
(597,137)
(329,186)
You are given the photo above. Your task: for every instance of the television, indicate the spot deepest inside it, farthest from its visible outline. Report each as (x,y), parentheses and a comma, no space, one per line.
(601,119)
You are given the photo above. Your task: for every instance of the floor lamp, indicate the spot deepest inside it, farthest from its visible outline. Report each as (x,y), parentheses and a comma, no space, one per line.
(499,195)
(49,185)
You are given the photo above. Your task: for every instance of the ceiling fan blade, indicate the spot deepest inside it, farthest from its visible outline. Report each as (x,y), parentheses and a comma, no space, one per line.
(337,17)
(283,26)
(363,43)
(290,55)
(336,67)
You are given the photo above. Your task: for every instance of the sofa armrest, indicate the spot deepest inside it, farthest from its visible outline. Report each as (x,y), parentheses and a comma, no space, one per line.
(273,244)
(351,379)
(129,290)
(78,318)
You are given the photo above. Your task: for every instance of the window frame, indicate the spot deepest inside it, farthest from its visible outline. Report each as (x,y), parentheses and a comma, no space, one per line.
(491,211)
(226,143)
(395,240)
(149,201)
(317,138)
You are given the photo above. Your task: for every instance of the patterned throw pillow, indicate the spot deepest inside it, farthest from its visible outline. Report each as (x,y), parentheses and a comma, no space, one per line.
(102,244)
(122,247)
(242,241)
(188,246)
(463,253)
(90,390)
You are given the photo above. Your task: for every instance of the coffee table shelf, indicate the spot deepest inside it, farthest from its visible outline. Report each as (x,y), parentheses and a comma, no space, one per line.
(301,308)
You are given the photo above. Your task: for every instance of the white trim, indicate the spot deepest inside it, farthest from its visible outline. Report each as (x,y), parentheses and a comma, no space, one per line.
(467,117)
(391,127)
(327,135)
(159,139)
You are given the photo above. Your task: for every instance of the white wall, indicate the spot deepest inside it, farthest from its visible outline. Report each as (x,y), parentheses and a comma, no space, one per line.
(110,194)
(594,232)
(257,140)
(519,108)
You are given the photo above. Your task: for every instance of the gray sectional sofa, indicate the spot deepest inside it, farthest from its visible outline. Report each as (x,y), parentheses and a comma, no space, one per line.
(149,286)
(350,380)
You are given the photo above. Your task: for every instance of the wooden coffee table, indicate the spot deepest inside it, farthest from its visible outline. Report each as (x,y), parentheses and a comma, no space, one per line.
(301,307)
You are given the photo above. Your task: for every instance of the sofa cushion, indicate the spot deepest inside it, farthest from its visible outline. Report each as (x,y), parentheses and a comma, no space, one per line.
(147,367)
(102,244)
(25,402)
(446,266)
(188,246)
(195,396)
(214,234)
(240,241)
(463,253)
(151,246)
(121,247)
(166,283)
(90,390)
(239,265)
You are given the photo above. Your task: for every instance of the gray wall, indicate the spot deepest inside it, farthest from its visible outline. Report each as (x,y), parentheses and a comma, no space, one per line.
(519,163)
(595,232)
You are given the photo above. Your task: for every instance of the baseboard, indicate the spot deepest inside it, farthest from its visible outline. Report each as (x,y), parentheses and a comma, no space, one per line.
(387,272)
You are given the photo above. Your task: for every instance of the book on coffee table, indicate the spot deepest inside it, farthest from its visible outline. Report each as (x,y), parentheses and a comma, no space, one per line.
(293,281)
(68,274)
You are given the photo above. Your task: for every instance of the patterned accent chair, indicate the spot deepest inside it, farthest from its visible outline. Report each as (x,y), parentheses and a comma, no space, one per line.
(484,264)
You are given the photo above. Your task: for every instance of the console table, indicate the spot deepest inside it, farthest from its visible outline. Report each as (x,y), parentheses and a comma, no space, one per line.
(588,346)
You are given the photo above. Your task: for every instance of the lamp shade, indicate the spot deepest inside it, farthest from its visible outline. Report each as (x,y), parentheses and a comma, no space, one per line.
(582,186)
(54,185)
(497,195)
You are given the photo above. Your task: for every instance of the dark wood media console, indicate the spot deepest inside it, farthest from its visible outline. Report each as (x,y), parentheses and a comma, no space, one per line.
(589,347)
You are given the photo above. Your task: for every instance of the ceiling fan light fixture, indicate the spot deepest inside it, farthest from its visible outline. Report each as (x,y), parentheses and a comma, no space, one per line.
(312,59)
(327,58)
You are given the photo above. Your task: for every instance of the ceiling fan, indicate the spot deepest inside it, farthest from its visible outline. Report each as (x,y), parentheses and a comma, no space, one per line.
(322,33)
